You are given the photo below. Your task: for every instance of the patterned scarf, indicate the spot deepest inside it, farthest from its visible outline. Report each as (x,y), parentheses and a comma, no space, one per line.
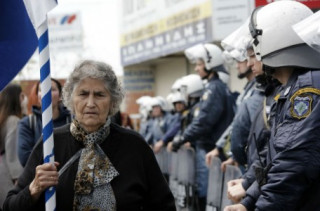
(95,171)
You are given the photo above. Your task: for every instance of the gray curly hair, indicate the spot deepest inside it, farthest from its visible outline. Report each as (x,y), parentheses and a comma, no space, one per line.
(95,70)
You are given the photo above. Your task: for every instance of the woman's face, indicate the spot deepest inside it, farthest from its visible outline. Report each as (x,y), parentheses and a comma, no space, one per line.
(91,104)
(54,93)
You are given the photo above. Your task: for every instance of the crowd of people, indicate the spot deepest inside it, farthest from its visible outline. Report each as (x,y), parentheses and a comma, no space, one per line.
(270,131)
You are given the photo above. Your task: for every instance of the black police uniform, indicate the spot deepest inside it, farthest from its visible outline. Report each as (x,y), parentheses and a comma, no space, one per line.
(293,158)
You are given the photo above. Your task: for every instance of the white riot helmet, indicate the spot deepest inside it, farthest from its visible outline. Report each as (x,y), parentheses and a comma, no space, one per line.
(192,85)
(209,53)
(227,57)
(309,30)
(176,85)
(178,97)
(237,42)
(169,101)
(142,100)
(275,42)
(144,106)
(159,101)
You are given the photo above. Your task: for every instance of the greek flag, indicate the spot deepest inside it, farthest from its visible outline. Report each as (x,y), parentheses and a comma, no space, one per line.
(37,11)
(18,39)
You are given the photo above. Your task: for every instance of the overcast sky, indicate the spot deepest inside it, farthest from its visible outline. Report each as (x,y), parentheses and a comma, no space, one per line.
(101,38)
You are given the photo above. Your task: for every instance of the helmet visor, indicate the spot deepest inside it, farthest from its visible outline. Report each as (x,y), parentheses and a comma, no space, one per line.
(309,30)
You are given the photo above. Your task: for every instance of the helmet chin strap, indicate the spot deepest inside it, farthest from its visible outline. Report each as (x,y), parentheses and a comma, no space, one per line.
(261,79)
(206,76)
(268,70)
(243,75)
(209,72)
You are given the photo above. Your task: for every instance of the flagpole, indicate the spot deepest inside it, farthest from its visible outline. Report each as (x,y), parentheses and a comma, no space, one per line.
(46,106)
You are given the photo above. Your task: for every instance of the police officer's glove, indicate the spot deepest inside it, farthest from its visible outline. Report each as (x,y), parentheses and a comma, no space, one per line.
(177,142)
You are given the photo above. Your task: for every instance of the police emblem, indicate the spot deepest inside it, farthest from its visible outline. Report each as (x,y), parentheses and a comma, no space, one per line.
(196,112)
(301,106)
(206,95)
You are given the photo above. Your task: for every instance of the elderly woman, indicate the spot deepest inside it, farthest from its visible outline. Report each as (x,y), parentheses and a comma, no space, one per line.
(115,169)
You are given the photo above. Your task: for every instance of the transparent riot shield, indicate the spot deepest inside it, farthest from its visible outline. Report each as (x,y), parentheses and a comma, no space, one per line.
(215,185)
(162,158)
(232,172)
(186,180)
(173,175)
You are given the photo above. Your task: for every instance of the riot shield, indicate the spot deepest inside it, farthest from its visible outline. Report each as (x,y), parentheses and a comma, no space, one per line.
(173,175)
(232,172)
(215,185)
(186,180)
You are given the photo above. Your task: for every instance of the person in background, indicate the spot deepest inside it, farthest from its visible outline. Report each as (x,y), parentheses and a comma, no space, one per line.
(186,99)
(30,127)
(113,169)
(122,119)
(256,144)
(216,111)
(235,46)
(290,180)
(161,121)
(126,121)
(179,103)
(12,103)
(33,99)
(145,122)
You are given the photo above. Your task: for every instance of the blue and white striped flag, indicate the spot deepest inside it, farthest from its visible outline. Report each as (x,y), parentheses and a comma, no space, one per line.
(37,11)
(18,39)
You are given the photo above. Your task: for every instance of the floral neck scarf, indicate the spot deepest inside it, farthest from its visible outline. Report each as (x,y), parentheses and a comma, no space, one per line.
(95,171)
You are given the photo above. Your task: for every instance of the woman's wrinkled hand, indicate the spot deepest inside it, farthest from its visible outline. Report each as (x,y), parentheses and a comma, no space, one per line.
(46,176)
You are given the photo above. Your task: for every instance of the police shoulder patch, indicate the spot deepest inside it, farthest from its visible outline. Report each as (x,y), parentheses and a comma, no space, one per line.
(196,112)
(301,102)
(301,106)
(206,95)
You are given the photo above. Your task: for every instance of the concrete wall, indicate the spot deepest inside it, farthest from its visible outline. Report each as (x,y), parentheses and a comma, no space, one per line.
(167,72)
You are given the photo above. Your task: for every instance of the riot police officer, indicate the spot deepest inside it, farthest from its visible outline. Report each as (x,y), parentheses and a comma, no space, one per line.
(291,180)
(235,46)
(185,97)
(216,111)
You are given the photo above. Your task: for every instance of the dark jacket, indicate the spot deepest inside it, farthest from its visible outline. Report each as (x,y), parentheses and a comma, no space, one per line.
(216,111)
(293,180)
(140,185)
(173,129)
(293,159)
(29,134)
(157,127)
(242,123)
(257,145)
